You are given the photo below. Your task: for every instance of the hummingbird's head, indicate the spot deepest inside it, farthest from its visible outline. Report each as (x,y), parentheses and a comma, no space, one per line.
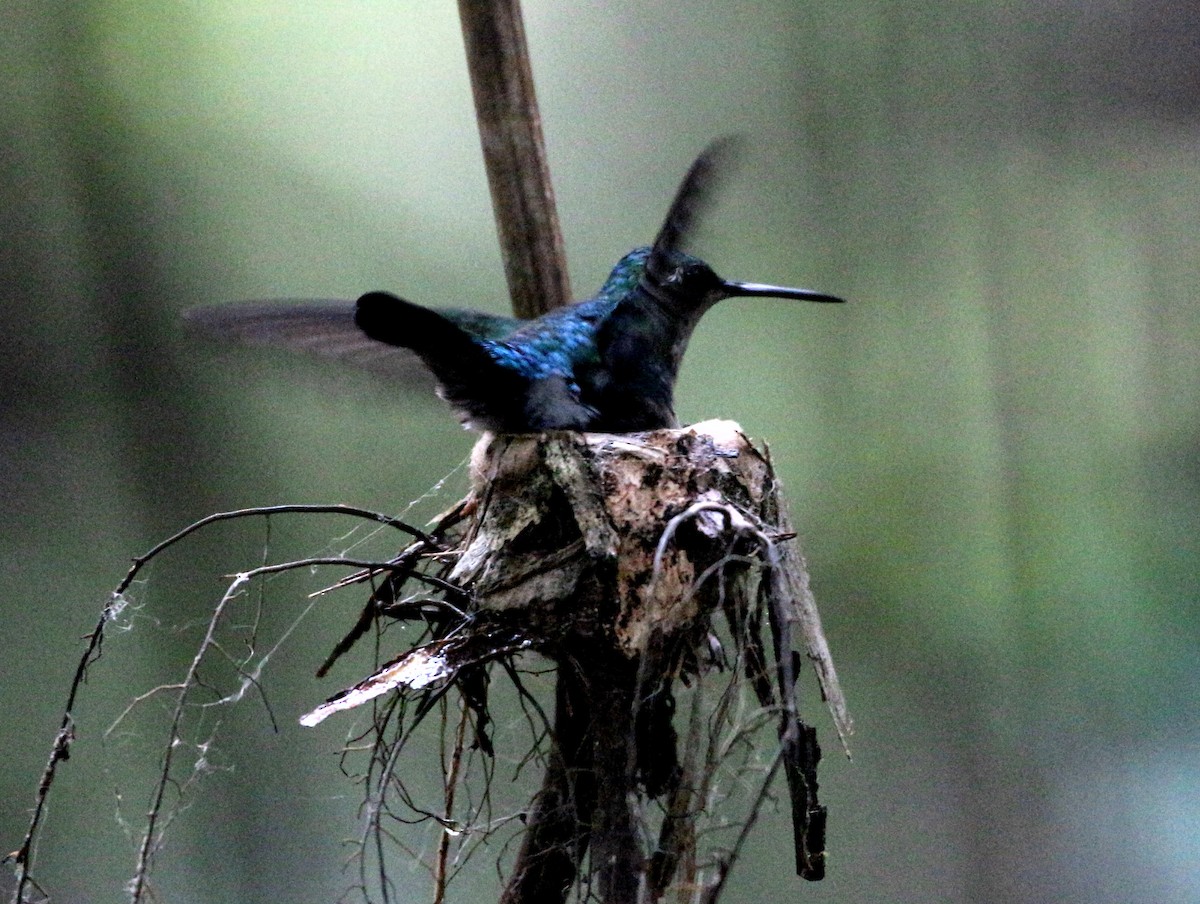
(690,286)
(691,281)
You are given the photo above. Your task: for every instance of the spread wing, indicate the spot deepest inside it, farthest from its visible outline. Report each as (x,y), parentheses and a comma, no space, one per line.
(317,326)
(691,201)
(389,335)
(458,347)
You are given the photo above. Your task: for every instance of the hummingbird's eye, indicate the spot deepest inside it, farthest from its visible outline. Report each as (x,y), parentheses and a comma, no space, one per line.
(676,277)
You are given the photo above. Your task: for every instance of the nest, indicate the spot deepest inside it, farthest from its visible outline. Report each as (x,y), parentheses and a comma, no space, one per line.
(612,555)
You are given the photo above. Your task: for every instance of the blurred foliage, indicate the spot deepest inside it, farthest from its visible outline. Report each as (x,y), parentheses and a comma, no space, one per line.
(993,452)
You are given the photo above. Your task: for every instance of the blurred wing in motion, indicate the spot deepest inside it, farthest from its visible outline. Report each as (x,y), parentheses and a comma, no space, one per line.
(320,327)
(691,202)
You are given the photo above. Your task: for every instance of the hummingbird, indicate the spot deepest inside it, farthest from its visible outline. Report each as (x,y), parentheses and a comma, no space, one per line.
(606,364)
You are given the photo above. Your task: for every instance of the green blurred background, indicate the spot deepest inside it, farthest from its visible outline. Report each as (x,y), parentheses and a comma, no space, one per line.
(992,453)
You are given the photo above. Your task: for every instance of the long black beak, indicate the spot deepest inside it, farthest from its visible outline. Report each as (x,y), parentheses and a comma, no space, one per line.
(759,290)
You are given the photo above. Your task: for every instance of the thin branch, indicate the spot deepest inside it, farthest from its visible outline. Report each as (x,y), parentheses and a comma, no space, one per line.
(268,510)
(150,839)
(451,781)
(61,748)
